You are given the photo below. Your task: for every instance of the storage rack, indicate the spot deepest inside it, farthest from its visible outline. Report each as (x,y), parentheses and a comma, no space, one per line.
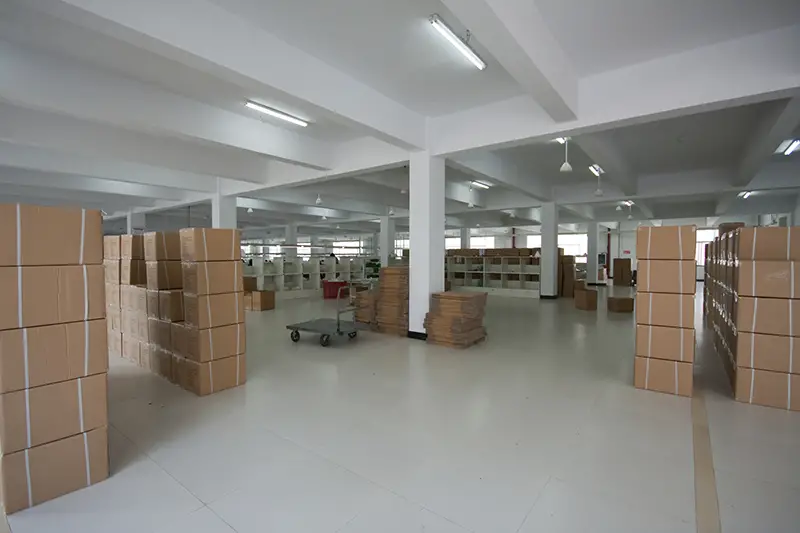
(516,276)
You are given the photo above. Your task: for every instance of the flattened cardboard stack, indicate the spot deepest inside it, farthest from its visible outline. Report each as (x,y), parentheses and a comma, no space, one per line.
(392,308)
(53,362)
(754,309)
(665,309)
(623,273)
(456,319)
(209,347)
(365,303)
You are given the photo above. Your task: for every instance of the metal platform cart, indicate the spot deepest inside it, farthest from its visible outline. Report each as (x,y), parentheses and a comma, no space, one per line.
(330,327)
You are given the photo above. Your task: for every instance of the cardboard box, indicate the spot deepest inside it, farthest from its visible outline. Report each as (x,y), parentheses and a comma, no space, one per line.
(211,377)
(145,355)
(131,247)
(672,377)
(55,353)
(161,362)
(579,285)
(672,310)
(213,310)
(111,268)
(729,226)
(259,301)
(162,246)
(768,244)
(111,247)
(674,277)
(623,273)
(54,469)
(159,333)
(672,344)
(567,259)
(203,345)
(132,272)
(114,319)
(133,298)
(153,298)
(170,305)
(164,275)
(586,300)
(770,316)
(768,279)
(112,296)
(179,338)
(619,304)
(203,244)
(114,344)
(39,415)
(212,277)
(250,284)
(666,242)
(568,283)
(130,348)
(771,389)
(767,352)
(50,236)
(51,295)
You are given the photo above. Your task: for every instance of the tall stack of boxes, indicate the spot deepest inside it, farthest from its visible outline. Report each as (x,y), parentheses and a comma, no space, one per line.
(209,346)
(755,312)
(163,299)
(53,362)
(133,299)
(665,336)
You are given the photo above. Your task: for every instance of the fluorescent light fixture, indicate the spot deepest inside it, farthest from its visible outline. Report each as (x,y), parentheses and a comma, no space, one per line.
(561,140)
(628,203)
(783,146)
(747,194)
(596,170)
(276,114)
(792,147)
(445,31)
(480,185)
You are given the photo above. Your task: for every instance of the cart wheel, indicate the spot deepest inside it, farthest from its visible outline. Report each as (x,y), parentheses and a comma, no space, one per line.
(295,335)
(325,340)
(352,334)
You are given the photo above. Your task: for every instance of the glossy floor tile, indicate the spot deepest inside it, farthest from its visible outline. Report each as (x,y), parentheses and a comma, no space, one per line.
(537,429)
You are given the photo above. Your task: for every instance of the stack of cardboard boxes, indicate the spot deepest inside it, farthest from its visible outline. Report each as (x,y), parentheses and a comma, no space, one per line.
(665,337)
(53,363)
(456,319)
(208,348)
(754,310)
(125,277)
(391,312)
(567,277)
(623,273)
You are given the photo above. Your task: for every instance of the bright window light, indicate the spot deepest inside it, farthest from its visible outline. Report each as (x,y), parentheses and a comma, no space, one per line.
(480,185)
(445,31)
(276,114)
(596,170)
(792,147)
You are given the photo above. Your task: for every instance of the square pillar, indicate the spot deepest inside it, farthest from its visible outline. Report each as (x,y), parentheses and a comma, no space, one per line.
(386,240)
(548,279)
(136,223)
(290,238)
(592,248)
(426,236)
(465,233)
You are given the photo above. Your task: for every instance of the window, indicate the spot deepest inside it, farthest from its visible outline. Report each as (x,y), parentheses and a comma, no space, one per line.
(704,236)
(345,248)
(572,243)
(534,241)
(481,242)
(452,243)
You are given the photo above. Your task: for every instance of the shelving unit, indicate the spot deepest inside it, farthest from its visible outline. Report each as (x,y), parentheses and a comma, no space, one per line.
(295,277)
(500,276)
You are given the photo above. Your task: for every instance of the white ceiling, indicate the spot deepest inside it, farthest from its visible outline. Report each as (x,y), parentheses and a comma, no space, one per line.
(389,45)
(601,35)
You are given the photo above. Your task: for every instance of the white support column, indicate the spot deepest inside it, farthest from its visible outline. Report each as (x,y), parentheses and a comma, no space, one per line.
(316,242)
(223,209)
(136,223)
(465,238)
(426,235)
(386,242)
(592,247)
(549,260)
(374,243)
(290,237)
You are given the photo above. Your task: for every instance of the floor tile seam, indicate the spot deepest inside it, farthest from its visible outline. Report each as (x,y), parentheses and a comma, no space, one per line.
(161,467)
(208,506)
(365,478)
(535,501)
(754,479)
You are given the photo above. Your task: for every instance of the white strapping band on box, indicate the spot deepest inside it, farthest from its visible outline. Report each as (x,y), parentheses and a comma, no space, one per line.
(208,307)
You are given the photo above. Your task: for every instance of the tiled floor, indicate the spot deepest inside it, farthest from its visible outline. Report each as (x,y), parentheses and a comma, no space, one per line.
(538,429)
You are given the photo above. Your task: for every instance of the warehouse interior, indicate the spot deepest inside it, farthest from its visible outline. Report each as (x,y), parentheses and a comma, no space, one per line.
(471,145)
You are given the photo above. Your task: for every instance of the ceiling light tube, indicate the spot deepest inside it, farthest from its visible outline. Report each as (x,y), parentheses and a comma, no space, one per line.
(445,31)
(480,185)
(596,170)
(792,147)
(276,114)
(747,194)
(561,140)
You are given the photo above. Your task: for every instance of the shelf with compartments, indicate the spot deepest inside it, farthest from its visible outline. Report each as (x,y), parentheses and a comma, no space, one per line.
(500,276)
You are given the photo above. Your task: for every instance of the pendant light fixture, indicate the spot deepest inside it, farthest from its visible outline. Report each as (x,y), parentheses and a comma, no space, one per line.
(566,167)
